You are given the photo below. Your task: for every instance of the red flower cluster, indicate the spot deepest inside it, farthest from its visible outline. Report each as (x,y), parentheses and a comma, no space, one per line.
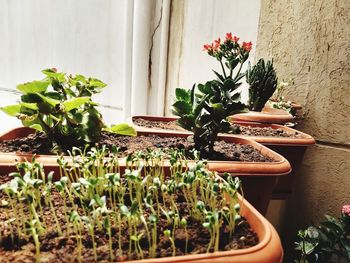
(216,45)
(346,210)
(230,38)
(247,46)
(213,47)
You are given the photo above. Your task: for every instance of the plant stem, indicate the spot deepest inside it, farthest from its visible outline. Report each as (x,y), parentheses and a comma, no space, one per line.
(223,69)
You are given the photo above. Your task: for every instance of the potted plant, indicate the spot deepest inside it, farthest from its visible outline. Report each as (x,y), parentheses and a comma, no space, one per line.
(204,109)
(261,160)
(288,142)
(278,100)
(327,242)
(262,80)
(131,211)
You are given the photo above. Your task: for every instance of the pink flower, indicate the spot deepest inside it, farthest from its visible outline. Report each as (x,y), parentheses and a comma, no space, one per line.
(216,44)
(247,46)
(229,37)
(207,47)
(346,210)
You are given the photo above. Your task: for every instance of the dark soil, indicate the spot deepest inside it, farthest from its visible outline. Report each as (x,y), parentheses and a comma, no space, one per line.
(237,129)
(164,125)
(39,144)
(59,249)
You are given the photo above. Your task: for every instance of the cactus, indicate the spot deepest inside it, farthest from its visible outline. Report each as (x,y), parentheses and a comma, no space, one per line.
(262,80)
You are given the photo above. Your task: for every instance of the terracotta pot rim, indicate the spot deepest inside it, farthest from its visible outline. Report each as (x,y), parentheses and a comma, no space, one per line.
(305,140)
(280,167)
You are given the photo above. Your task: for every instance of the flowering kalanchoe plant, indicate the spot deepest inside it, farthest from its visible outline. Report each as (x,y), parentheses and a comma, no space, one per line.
(229,53)
(204,109)
(328,242)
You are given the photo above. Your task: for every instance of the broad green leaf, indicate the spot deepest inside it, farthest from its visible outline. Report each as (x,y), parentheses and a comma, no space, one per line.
(182,94)
(122,129)
(229,84)
(12,110)
(49,100)
(97,83)
(75,103)
(32,106)
(182,107)
(59,76)
(31,98)
(36,127)
(34,86)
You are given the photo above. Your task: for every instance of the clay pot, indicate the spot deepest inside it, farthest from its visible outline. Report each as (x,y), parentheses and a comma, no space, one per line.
(292,149)
(268,250)
(259,178)
(267,115)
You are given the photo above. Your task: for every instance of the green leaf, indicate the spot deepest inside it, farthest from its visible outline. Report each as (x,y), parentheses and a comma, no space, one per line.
(34,86)
(182,107)
(59,76)
(75,103)
(12,110)
(97,83)
(49,100)
(122,129)
(229,84)
(32,106)
(182,94)
(220,77)
(124,210)
(36,127)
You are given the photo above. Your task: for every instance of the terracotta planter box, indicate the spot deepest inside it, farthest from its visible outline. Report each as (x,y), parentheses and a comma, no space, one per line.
(268,250)
(267,115)
(292,149)
(255,175)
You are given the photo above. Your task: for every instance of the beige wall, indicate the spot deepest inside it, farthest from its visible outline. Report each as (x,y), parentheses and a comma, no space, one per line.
(309,41)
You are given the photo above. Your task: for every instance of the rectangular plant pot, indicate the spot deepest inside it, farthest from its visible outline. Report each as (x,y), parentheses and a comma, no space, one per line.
(258,178)
(292,149)
(268,250)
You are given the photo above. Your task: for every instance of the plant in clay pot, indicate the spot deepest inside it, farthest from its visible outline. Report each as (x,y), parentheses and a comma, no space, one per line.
(115,212)
(61,106)
(204,109)
(327,242)
(278,100)
(262,80)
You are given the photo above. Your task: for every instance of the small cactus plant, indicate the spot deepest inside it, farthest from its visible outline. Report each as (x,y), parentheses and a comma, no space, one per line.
(262,80)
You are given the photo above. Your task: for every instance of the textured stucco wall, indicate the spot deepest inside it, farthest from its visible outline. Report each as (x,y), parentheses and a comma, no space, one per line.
(309,42)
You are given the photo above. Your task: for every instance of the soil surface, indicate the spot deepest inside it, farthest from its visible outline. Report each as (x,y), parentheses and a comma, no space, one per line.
(59,249)
(236,129)
(38,143)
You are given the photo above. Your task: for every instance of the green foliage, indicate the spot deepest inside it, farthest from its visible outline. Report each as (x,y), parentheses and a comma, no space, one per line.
(328,242)
(262,80)
(278,100)
(61,106)
(124,206)
(204,109)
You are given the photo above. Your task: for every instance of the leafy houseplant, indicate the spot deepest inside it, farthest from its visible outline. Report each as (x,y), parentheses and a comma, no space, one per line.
(262,80)
(328,242)
(60,105)
(204,109)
